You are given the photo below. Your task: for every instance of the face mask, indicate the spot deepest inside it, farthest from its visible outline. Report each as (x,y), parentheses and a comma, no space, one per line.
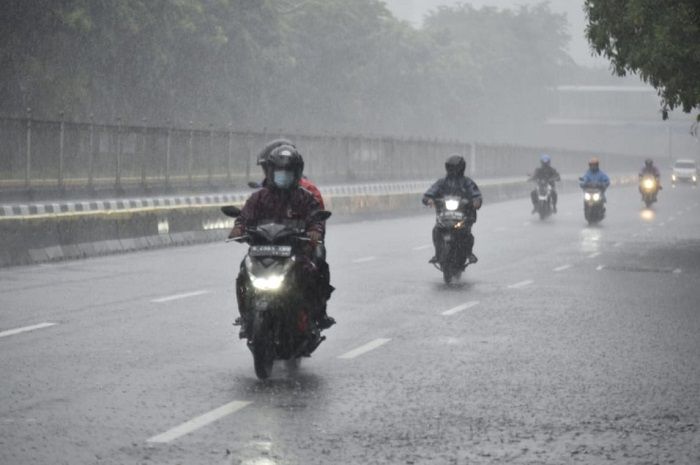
(283,179)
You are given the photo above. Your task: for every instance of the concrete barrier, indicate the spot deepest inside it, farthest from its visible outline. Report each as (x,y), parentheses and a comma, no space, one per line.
(51,232)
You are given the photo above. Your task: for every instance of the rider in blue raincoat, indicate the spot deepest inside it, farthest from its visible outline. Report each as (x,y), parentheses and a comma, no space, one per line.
(595,177)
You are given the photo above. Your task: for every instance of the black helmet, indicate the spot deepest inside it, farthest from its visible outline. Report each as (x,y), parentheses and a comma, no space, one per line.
(649,162)
(455,165)
(284,166)
(269,147)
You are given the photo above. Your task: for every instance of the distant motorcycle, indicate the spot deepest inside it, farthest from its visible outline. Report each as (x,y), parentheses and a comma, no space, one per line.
(544,203)
(649,188)
(281,326)
(593,203)
(452,222)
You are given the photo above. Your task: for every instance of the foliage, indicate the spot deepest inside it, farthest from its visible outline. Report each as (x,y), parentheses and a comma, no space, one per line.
(657,39)
(300,64)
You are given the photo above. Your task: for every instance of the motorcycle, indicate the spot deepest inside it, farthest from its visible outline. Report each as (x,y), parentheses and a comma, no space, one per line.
(544,203)
(451,222)
(649,188)
(280,325)
(593,203)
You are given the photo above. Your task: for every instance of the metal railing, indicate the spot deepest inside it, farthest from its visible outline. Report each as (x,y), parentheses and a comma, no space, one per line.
(61,155)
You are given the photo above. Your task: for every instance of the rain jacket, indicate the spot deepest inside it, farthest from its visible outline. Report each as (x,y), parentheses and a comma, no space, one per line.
(547,173)
(461,186)
(595,177)
(278,205)
(653,170)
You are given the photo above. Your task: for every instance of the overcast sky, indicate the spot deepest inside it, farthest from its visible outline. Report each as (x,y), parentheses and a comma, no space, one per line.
(414,10)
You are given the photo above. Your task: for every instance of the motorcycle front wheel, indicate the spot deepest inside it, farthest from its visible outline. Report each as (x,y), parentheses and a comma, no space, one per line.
(262,348)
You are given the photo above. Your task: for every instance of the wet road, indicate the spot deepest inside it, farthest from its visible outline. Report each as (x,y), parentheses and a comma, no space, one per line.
(564,344)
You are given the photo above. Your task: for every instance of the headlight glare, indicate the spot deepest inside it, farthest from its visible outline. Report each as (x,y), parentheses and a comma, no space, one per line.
(270,283)
(451,204)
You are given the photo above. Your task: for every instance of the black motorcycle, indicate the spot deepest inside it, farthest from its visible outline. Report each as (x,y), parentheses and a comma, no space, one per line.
(593,203)
(276,293)
(453,224)
(544,205)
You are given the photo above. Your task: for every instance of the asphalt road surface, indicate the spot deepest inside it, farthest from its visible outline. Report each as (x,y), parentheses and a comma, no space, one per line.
(564,344)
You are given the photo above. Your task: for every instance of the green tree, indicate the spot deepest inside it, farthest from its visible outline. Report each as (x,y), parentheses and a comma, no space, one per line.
(657,39)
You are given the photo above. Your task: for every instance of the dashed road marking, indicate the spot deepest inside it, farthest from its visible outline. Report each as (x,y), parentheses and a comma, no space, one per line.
(200,421)
(677,271)
(459,308)
(617,244)
(423,247)
(600,267)
(521,284)
(594,255)
(12,332)
(364,348)
(364,259)
(501,229)
(527,223)
(186,295)
(562,268)
(662,224)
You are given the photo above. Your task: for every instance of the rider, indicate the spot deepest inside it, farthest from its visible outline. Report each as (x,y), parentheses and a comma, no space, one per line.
(546,173)
(650,169)
(595,176)
(457,184)
(304,182)
(282,199)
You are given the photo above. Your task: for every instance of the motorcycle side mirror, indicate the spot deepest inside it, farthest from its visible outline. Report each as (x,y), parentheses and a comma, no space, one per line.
(320,215)
(254,184)
(581,178)
(230,210)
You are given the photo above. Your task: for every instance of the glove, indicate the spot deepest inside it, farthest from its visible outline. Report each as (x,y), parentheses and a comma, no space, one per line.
(315,236)
(476,203)
(235,232)
(428,202)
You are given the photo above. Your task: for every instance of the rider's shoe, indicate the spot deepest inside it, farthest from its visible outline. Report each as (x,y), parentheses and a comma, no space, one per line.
(325,322)
(433,260)
(554,208)
(472,259)
(243,332)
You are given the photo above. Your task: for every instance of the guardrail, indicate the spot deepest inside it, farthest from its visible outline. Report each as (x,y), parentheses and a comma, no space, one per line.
(41,232)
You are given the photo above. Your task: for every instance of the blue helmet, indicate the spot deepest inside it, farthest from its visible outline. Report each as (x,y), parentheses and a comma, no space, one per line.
(545,159)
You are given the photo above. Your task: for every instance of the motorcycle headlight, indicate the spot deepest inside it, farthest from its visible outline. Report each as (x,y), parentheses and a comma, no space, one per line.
(451,204)
(695,178)
(649,184)
(270,283)
(673,177)
(596,197)
(587,196)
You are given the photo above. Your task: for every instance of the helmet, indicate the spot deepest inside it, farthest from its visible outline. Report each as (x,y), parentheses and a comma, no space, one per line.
(455,165)
(269,147)
(648,162)
(284,166)
(545,159)
(594,163)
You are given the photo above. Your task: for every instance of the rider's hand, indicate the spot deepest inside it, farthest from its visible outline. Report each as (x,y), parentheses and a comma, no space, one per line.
(476,203)
(315,237)
(429,203)
(235,232)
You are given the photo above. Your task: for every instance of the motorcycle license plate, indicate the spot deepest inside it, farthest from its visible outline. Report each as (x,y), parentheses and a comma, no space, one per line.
(270,251)
(452,215)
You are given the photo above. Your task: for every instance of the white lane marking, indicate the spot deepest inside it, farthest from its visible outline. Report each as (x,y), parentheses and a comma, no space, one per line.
(501,229)
(459,308)
(672,218)
(200,422)
(527,223)
(179,296)
(423,247)
(594,255)
(527,282)
(600,267)
(662,224)
(364,348)
(617,244)
(562,268)
(12,332)
(677,271)
(635,234)
(364,259)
